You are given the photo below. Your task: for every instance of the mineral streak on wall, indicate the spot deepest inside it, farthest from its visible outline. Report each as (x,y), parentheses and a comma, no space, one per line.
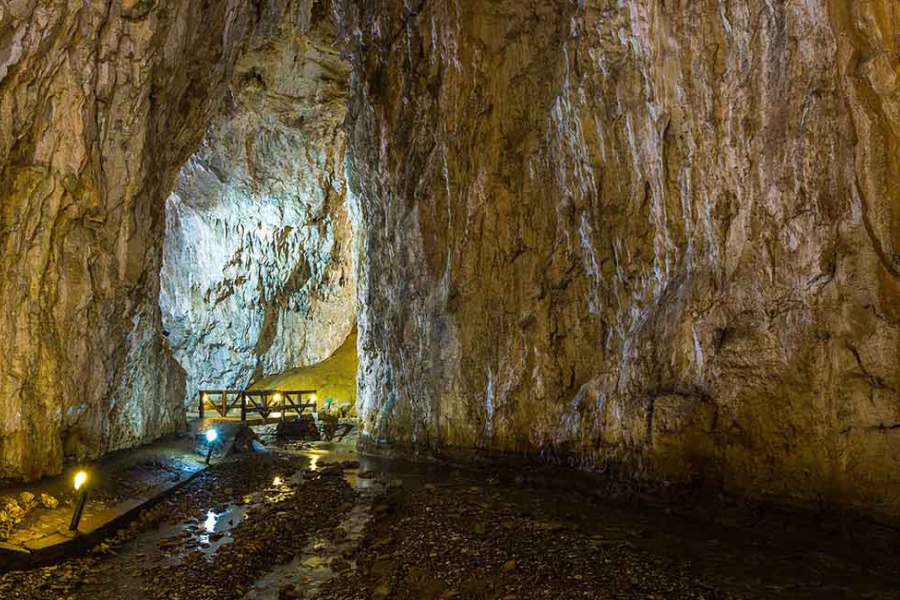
(652,234)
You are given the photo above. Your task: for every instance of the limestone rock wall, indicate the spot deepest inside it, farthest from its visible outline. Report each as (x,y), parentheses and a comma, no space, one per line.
(656,235)
(101,103)
(257,273)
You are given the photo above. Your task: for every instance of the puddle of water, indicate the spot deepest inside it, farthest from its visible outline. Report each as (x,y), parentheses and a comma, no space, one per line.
(214,532)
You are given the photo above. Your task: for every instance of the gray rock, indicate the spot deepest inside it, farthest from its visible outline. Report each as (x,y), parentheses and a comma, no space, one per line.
(257,273)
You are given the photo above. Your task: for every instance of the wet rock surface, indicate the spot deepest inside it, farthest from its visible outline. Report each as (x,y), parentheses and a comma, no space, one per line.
(209,540)
(289,525)
(477,538)
(119,477)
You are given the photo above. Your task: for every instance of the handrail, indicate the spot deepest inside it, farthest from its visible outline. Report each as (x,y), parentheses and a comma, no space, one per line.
(263,402)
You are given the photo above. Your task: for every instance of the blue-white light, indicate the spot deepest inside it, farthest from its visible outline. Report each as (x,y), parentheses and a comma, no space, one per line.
(211,435)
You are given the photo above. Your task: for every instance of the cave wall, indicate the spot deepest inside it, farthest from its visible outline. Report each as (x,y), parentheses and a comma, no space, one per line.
(101,103)
(655,236)
(257,274)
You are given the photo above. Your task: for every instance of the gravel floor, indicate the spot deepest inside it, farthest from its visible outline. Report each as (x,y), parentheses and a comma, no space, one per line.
(419,533)
(445,542)
(463,538)
(165,554)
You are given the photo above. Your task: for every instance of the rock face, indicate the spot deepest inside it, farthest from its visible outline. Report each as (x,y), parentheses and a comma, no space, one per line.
(655,236)
(661,236)
(257,272)
(101,104)
(333,378)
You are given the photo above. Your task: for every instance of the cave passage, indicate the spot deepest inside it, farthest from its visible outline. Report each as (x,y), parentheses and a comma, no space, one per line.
(507,300)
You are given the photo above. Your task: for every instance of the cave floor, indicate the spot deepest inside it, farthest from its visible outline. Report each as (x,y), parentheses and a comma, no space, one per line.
(335,526)
(122,476)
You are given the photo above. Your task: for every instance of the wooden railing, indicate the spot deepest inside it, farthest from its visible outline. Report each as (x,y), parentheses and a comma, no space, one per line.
(261,402)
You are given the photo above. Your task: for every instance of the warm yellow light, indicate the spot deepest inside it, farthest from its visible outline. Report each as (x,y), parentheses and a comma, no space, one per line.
(277,482)
(205,398)
(276,415)
(312,397)
(276,398)
(80,478)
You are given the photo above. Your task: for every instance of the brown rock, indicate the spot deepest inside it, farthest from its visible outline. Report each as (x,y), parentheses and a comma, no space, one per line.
(605,237)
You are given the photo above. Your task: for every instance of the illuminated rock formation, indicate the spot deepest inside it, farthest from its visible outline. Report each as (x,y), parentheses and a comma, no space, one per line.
(257,270)
(101,104)
(651,236)
(658,236)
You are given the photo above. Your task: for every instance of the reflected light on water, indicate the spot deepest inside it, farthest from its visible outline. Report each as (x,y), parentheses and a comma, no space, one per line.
(210,523)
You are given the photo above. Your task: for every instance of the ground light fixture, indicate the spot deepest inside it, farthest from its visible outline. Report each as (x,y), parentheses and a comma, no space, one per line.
(211,435)
(80,481)
(277,482)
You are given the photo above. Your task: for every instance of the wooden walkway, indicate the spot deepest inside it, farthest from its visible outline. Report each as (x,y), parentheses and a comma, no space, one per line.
(230,404)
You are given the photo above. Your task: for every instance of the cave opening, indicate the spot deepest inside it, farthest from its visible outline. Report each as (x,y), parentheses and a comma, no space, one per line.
(257,282)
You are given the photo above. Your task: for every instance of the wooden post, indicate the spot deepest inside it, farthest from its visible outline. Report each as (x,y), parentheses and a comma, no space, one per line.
(243,406)
(224,404)
(202,402)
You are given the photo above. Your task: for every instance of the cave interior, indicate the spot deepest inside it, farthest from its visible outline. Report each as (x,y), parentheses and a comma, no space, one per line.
(515,299)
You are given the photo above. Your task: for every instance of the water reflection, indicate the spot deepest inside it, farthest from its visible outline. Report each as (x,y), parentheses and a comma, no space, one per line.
(210,523)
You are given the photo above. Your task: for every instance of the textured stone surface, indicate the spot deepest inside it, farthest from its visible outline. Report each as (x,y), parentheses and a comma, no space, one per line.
(655,236)
(101,104)
(642,234)
(257,270)
(99,107)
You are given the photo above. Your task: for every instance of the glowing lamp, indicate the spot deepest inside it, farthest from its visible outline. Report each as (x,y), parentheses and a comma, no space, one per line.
(276,398)
(277,482)
(80,480)
(211,435)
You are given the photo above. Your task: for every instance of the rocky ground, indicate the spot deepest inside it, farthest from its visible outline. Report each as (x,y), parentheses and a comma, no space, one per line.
(301,524)
(465,538)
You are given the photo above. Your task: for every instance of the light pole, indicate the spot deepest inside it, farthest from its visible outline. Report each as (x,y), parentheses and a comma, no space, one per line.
(211,436)
(80,480)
